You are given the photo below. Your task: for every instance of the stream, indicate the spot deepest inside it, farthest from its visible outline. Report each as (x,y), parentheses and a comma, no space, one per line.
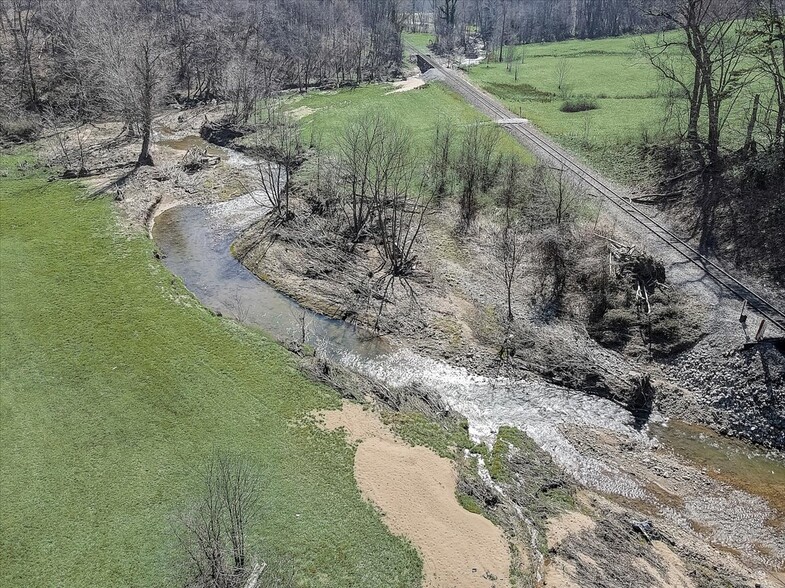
(195,242)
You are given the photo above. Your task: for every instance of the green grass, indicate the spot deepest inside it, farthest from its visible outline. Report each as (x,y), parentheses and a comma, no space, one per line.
(419,110)
(610,71)
(116,386)
(469,503)
(443,438)
(419,40)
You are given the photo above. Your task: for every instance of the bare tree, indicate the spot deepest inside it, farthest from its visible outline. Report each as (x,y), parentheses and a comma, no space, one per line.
(508,247)
(441,157)
(214,531)
(19,20)
(400,217)
(445,15)
(768,50)
(706,61)
(476,167)
(146,78)
(279,143)
(563,71)
(129,52)
(552,188)
(374,157)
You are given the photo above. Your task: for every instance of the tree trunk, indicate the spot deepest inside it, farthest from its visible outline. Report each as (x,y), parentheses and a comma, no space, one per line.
(144,157)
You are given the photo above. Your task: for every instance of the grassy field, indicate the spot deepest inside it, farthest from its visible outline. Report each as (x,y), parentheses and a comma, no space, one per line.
(624,86)
(419,110)
(419,40)
(116,386)
(612,73)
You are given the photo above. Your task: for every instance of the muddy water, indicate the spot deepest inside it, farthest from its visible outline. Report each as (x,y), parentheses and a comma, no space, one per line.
(730,461)
(196,241)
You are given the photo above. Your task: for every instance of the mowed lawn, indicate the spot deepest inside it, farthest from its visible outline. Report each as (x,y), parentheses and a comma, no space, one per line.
(116,386)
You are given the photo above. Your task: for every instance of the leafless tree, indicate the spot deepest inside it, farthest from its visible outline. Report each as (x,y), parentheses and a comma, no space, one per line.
(508,244)
(562,72)
(213,533)
(129,52)
(441,157)
(768,50)
(279,145)
(445,21)
(374,159)
(476,166)
(510,195)
(146,78)
(400,220)
(554,191)
(65,127)
(508,247)
(400,217)
(706,61)
(19,21)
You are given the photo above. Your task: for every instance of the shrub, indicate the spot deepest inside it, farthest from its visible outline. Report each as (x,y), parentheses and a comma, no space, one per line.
(18,129)
(580,104)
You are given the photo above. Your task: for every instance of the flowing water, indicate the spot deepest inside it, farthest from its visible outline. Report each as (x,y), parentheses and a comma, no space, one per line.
(196,241)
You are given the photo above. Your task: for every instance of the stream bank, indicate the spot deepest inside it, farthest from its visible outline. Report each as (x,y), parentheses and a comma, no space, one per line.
(586,435)
(593,439)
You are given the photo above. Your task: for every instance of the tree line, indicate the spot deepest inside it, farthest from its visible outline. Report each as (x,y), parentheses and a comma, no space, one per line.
(512,22)
(81,59)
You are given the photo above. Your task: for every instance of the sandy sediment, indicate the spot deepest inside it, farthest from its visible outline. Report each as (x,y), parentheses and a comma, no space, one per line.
(415,491)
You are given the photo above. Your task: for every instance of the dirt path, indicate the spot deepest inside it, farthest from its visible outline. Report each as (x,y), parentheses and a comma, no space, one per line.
(415,491)
(411,83)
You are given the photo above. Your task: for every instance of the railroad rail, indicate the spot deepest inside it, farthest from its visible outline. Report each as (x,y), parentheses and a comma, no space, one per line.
(523,132)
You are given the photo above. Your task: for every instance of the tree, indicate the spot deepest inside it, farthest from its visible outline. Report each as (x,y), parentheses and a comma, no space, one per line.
(563,70)
(554,194)
(145,83)
(400,219)
(20,21)
(374,160)
(476,167)
(280,145)
(444,22)
(768,50)
(130,55)
(441,157)
(706,61)
(508,246)
(213,533)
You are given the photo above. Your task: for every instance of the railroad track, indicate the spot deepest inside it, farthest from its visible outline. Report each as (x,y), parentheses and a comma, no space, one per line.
(536,142)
